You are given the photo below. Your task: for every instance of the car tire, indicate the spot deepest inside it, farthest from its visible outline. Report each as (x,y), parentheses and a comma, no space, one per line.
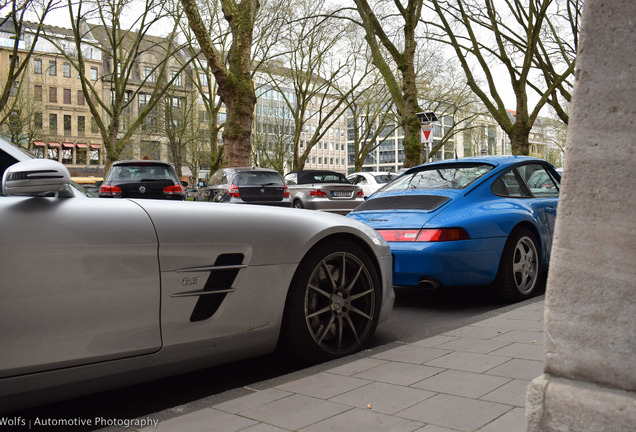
(333,304)
(519,275)
(298,204)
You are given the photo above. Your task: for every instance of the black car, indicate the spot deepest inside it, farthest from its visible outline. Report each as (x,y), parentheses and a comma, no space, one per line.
(244,185)
(142,179)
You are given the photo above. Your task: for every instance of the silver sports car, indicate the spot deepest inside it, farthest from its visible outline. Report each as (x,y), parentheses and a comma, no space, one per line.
(96,294)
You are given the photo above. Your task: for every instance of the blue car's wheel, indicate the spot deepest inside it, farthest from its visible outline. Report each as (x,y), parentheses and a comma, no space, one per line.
(333,304)
(519,269)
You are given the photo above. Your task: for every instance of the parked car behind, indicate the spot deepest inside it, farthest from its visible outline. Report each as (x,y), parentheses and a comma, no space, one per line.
(371,181)
(245,185)
(142,179)
(323,190)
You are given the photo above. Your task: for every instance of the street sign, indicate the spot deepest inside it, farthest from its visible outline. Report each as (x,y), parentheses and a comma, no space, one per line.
(427,133)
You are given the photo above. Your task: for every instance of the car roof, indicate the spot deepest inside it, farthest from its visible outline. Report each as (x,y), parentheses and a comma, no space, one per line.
(239,169)
(141,162)
(371,172)
(499,160)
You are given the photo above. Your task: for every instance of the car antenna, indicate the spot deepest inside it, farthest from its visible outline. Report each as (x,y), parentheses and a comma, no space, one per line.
(456,153)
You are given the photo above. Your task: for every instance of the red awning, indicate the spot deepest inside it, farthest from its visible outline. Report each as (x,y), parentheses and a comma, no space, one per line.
(39,143)
(54,144)
(68,145)
(81,145)
(96,146)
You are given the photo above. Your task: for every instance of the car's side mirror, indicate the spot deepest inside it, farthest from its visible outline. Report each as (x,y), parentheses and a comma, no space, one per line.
(37,178)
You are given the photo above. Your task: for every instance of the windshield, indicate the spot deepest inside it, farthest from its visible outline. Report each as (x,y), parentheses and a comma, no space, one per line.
(140,173)
(384,178)
(322,177)
(259,178)
(442,177)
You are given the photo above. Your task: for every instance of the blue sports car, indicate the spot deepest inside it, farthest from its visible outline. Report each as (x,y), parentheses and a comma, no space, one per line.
(469,221)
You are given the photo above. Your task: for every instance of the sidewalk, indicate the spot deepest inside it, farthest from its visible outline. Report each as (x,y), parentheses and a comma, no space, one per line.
(473,378)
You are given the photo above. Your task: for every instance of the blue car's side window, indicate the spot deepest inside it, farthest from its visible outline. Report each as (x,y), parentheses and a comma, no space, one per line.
(539,181)
(510,185)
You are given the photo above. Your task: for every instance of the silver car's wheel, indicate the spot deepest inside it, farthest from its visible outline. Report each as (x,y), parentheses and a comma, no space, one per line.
(333,304)
(298,204)
(519,269)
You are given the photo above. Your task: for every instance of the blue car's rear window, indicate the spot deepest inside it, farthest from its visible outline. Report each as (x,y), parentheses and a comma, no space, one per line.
(440,177)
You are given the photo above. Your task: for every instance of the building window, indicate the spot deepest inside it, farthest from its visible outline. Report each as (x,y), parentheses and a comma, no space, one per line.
(203,79)
(67,125)
(52,94)
(149,74)
(37,93)
(66,70)
(94,156)
(37,120)
(81,126)
(80,156)
(53,153)
(52,67)
(177,78)
(67,96)
(53,123)
(37,66)
(94,128)
(94,73)
(67,155)
(80,97)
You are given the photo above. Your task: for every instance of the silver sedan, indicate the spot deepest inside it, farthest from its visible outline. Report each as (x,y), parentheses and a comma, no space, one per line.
(97,294)
(323,190)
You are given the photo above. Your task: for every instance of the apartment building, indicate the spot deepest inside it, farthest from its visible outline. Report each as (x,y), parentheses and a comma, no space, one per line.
(49,114)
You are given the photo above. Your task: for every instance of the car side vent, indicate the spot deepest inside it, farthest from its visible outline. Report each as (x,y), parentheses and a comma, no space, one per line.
(219,280)
(229,259)
(407,202)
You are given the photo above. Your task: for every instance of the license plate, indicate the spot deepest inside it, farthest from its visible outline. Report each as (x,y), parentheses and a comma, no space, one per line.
(341,194)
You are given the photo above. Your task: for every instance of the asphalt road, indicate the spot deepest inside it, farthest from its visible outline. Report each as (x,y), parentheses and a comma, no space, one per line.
(417,315)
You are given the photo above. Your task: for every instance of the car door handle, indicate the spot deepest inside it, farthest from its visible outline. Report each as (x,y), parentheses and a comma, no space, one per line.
(550,210)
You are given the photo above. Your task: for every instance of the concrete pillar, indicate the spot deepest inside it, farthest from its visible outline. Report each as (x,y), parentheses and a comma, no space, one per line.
(589,382)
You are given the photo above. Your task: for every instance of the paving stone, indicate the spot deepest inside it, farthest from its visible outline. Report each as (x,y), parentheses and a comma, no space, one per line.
(512,421)
(474,332)
(357,366)
(294,412)
(261,427)
(382,397)
(358,420)
(410,354)
(434,428)
(540,305)
(399,373)
(514,324)
(512,393)
(494,322)
(521,336)
(524,351)
(323,385)
(519,368)
(469,362)
(473,345)
(203,420)
(434,341)
(455,412)
(252,400)
(461,383)
(521,314)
